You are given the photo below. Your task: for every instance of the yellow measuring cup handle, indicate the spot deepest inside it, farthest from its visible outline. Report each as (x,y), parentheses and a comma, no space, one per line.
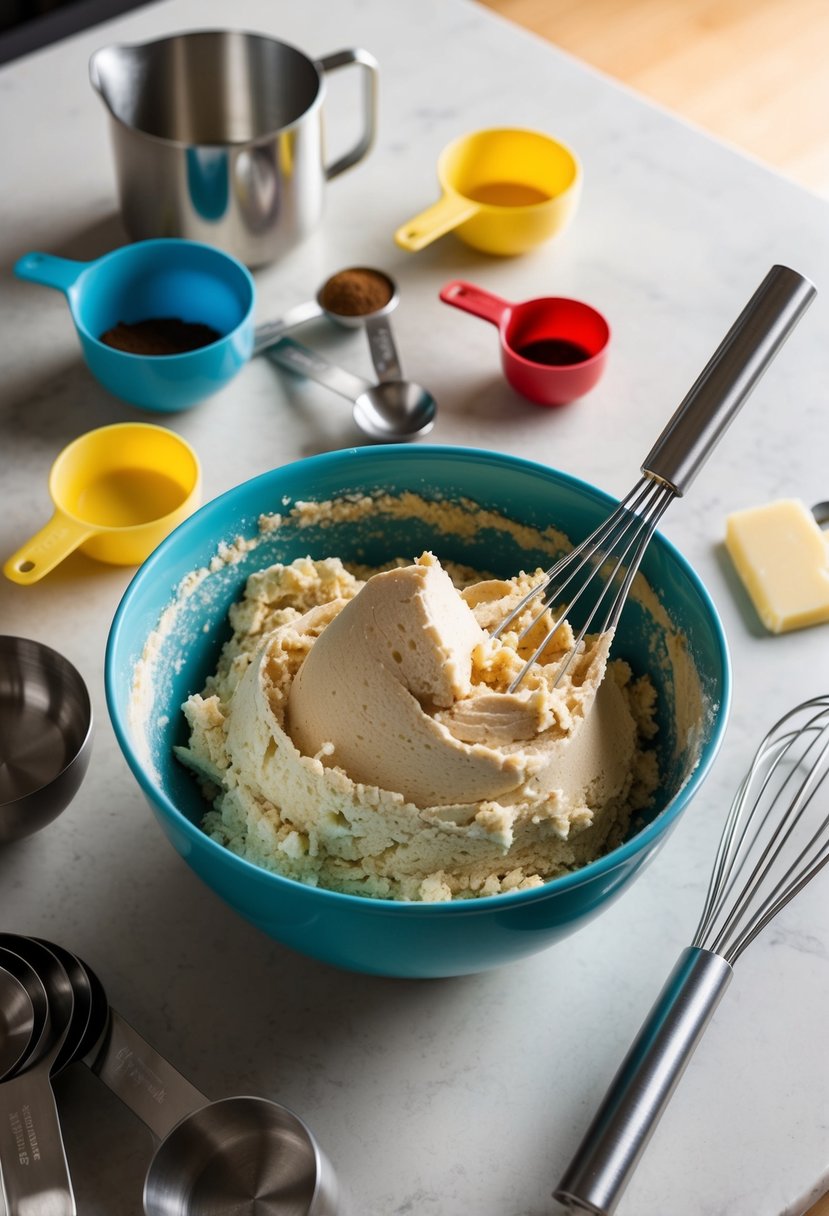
(45,549)
(447,213)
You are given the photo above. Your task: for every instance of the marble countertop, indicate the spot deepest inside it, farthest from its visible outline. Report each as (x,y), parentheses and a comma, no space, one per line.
(447,1097)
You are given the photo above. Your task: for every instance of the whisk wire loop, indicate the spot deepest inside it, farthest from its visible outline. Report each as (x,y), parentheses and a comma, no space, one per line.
(614,550)
(763,859)
(811,857)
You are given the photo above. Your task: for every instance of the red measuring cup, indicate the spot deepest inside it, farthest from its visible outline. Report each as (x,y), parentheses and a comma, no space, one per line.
(553,349)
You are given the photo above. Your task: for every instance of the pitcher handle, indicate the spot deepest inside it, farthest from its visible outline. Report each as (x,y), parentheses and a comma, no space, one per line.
(49,270)
(369,67)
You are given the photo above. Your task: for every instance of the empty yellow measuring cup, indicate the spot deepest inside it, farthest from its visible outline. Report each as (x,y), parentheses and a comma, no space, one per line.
(118,491)
(504,191)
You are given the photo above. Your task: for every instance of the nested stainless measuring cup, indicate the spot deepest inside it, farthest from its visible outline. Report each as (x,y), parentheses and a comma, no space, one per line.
(218,137)
(236,1154)
(232,1155)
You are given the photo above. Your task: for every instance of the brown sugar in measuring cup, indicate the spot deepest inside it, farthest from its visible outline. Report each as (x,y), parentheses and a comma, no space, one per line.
(160,336)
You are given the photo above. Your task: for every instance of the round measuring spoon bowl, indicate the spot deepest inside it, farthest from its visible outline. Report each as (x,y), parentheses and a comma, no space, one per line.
(553,349)
(238,1155)
(503,191)
(393,411)
(353,297)
(45,735)
(17,1022)
(158,281)
(117,492)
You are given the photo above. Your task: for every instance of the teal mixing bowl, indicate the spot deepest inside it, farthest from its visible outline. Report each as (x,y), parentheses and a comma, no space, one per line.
(380,936)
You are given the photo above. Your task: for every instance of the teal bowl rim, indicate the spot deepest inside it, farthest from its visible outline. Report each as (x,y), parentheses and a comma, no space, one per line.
(182,356)
(623,853)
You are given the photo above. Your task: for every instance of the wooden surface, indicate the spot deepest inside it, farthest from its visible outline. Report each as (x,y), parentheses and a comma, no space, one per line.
(752,72)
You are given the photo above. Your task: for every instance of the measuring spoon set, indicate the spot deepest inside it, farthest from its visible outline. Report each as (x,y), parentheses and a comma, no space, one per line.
(211,1157)
(394,409)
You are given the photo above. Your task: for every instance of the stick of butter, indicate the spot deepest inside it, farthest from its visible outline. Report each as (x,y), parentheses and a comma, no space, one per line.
(782,557)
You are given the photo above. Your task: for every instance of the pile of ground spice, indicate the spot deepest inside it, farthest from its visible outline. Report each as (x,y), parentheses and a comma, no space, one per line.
(356,292)
(160,336)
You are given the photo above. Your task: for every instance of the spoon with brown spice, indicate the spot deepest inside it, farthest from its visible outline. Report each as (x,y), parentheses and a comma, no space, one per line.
(358,297)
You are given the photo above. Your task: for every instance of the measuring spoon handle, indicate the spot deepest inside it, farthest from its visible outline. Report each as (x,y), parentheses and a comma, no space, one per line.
(144,1081)
(306,362)
(271,331)
(383,349)
(33,1163)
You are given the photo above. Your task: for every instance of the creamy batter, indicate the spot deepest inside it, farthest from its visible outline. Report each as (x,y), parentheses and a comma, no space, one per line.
(359,735)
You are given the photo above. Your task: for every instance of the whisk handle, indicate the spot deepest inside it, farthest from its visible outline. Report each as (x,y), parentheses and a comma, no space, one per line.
(641,1089)
(728,378)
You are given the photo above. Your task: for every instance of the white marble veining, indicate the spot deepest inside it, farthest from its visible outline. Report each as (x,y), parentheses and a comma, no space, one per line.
(450,1097)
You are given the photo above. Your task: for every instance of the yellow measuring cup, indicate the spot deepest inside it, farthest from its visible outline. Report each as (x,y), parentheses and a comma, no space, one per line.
(504,191)
(118,491)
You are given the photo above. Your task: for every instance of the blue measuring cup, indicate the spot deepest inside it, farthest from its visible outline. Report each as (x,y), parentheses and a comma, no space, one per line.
(188,280)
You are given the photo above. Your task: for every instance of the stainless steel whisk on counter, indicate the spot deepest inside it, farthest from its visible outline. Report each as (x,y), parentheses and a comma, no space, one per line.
(775,839)
(615,549)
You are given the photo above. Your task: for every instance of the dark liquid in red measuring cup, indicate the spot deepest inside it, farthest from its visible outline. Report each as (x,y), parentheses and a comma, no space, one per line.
(554,352)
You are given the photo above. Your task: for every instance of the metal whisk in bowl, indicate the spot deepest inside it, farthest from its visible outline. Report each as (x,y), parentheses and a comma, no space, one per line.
(605,564)
(775,839)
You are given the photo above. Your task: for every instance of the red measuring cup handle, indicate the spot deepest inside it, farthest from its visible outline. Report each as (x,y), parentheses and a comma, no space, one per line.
(475,300)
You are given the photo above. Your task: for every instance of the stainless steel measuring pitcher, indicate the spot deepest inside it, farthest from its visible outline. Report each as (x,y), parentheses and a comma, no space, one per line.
(218,137)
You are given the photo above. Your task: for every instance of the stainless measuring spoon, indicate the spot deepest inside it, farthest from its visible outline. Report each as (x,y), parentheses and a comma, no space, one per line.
(215,1158)
(376,323)
(33,1163)
(392,411)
